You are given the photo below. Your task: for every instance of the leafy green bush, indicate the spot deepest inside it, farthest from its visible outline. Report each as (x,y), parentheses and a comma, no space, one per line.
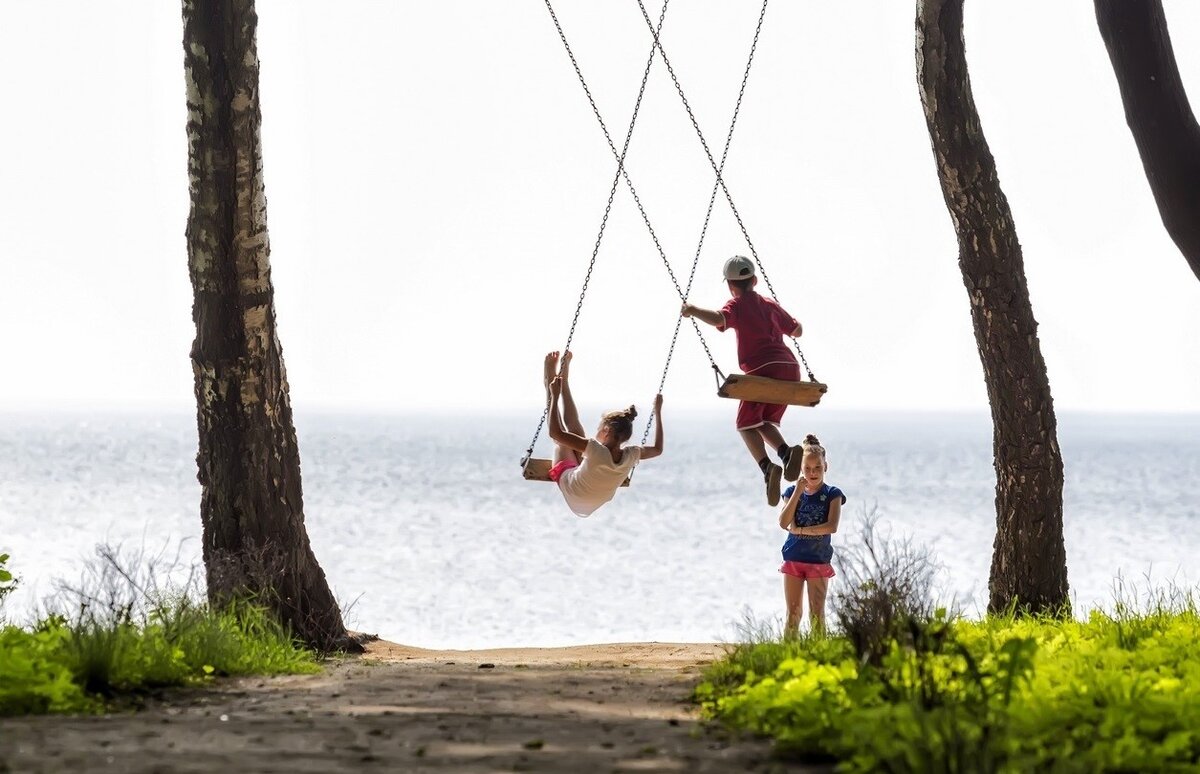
(34,678)
(1117,692)
(744,662)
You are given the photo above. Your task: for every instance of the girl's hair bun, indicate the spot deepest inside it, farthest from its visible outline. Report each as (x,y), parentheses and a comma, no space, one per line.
(811,440)
(621,421)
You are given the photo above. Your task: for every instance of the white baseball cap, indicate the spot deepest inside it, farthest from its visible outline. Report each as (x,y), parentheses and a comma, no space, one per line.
(739,267)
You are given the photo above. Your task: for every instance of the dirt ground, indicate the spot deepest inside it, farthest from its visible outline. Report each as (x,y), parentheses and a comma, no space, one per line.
(591,708)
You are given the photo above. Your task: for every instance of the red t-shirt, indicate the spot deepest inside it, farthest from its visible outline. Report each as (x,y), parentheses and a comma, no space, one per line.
(761,324)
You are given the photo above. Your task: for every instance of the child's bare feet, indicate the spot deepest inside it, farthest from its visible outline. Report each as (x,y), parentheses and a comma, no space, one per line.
(550,368)
(566,364)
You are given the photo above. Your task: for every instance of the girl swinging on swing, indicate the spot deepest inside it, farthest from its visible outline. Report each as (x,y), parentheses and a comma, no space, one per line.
(588,471)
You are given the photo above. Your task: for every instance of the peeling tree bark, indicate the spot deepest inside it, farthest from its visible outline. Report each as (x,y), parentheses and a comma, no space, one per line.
(249,464)
(1029,564)
(1158,113)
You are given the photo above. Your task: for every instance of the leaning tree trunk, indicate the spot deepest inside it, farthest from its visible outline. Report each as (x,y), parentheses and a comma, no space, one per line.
(1158,113)
(255,542)
(1029,563)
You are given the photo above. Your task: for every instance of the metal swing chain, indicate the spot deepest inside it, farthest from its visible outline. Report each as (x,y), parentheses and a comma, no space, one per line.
(632,189)
(737,109)
(717,170)
(611,193)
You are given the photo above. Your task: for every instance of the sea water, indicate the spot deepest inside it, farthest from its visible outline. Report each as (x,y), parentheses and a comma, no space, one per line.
(429,536)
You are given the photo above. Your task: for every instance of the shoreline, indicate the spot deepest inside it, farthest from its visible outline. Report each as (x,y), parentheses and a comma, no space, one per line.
(658,655)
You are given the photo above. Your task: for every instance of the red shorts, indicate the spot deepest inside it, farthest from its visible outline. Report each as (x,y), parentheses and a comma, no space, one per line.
(752,415)
(561,467)
(807,570)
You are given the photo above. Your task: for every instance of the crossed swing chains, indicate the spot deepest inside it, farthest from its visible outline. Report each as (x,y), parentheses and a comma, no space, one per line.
(719,168)
(621,173)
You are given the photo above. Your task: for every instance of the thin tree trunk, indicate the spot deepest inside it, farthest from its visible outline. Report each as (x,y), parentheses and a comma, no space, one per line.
(249,466)
(1029,565)
(1158,114)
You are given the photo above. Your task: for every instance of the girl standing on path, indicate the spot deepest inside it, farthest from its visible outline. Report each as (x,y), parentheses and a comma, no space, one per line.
(588,471)
(810,516)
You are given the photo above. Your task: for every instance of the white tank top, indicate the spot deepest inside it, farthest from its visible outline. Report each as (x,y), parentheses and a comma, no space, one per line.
(595,481)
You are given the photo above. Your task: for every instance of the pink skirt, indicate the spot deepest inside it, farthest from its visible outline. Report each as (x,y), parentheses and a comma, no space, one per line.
(807,570)
(561,467)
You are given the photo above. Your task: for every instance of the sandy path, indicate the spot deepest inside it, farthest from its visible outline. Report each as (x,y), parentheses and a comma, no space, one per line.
(582,709)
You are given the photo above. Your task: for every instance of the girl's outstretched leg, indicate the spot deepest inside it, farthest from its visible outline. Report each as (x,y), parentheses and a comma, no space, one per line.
(570,412)
(549,371)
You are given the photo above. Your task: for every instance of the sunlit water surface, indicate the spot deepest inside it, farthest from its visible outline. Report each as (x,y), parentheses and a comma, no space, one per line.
(427,532)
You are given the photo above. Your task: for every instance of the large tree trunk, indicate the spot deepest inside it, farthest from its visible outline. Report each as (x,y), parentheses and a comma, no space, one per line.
(1029,564)
(251,507)
(1158,113)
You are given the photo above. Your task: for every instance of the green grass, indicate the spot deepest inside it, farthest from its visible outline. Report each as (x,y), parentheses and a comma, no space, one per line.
(1118,692)
(81,667)
(122,635)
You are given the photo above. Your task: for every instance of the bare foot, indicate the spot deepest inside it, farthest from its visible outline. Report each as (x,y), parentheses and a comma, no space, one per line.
(566,364)
(550,368)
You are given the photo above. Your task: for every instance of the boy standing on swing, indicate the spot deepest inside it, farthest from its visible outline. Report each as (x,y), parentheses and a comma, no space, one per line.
(760,324)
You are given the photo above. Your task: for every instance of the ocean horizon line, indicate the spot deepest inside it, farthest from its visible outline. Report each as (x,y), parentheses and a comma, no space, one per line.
(511,412)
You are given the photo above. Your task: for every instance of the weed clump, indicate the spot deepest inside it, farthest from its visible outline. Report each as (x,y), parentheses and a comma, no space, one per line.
(886,592)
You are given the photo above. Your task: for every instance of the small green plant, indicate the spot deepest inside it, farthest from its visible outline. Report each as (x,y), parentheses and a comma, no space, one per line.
(8,582)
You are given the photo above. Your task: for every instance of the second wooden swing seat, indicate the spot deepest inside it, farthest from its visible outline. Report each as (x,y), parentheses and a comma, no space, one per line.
(760,389)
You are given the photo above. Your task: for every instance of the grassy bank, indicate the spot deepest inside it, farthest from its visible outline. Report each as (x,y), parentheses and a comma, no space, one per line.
(116,636)
(1119,691)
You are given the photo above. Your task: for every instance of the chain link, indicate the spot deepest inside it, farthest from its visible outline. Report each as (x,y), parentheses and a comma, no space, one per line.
(718,169)
(637,199)
(712,198)
(612,191)
(622,173)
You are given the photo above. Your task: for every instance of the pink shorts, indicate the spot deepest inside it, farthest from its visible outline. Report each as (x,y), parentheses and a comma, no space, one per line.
(807,570)
(561,467)
(751,415)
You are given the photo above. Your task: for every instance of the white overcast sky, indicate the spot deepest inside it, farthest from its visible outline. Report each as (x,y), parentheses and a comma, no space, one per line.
(435,181)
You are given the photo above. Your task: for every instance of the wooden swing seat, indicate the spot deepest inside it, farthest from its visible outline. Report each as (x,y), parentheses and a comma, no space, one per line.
(539,470)
(760,389)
